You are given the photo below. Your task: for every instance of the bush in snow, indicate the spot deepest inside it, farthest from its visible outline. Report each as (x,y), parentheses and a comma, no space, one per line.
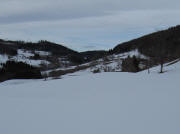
(130,64)
(18,70)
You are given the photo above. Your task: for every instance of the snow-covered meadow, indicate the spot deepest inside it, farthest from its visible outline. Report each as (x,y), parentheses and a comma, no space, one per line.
(104,103)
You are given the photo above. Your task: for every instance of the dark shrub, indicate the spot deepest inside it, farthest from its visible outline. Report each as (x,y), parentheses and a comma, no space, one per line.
(96,70)
(5,49)
(36,57)
(130,64)
(19,70)
(76,58)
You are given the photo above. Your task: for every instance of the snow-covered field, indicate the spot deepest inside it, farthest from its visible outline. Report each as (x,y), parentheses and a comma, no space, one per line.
(104,103)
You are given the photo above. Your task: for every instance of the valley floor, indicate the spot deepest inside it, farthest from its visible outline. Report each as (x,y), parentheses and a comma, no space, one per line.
(104,103)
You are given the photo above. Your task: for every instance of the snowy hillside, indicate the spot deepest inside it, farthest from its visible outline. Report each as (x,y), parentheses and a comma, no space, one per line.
(25,56)
(54,60)
(43,54)
(111,63)
(103,103)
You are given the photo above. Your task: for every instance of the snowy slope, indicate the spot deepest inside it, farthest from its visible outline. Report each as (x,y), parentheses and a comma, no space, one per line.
(105,103)
(25,56)
(115,61)
(110,63)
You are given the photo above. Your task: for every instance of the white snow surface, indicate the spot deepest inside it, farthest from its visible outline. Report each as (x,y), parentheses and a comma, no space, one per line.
(24,53)
(3,58)
(44,53)
(104,103)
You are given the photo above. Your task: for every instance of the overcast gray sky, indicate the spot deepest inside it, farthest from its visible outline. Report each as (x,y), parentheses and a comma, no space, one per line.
(85,24)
